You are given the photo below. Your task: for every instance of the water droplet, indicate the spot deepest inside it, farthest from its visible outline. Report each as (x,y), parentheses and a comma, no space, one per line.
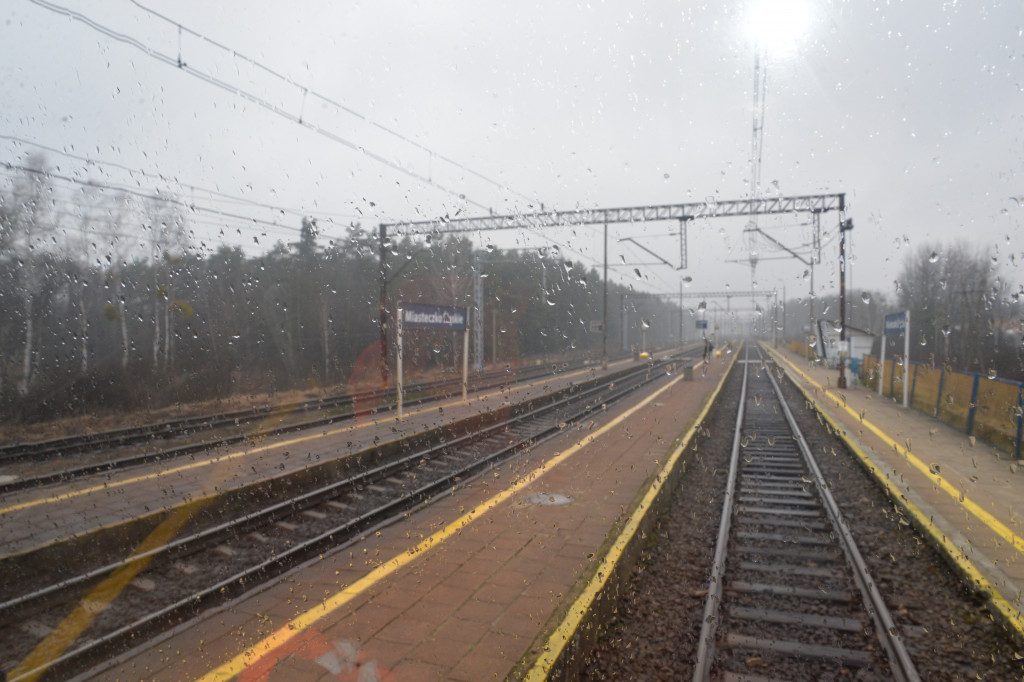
(992,373)
(933,257)
(866,297)
(638,275)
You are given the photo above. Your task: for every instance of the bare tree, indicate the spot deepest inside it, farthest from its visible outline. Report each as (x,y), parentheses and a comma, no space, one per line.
(946,291)
(168,241)
(23,223)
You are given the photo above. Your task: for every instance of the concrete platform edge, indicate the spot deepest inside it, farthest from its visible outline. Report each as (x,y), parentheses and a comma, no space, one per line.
(1010,616)
(563,644)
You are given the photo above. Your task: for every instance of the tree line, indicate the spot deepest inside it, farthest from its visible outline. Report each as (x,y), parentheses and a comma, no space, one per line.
(963,314)
(108,303)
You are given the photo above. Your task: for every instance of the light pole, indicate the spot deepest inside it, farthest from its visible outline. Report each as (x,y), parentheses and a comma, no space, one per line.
(844,227)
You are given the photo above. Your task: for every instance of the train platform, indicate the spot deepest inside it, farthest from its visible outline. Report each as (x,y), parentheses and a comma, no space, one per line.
(37,517)
(484,584)
(963,492)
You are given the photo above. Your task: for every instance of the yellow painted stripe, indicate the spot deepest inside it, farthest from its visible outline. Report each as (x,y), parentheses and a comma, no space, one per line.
(958,496)
(563,634)
(263,448)
(78,621)
(1009,612)
(302,622)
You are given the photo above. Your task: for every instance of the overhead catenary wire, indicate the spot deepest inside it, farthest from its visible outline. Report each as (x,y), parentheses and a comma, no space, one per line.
(306,90)
(262,102)
(100,163)
(249,96)
(156,197)
(270,106)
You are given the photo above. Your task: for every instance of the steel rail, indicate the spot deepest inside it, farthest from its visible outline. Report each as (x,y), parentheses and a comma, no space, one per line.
(709,624)
(900,662)
(305,500)
(170,428)
(491,380)
(395,509)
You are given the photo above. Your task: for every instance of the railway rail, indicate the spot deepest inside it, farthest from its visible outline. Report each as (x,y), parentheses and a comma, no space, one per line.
(337,409)
(216,562)
(789,588)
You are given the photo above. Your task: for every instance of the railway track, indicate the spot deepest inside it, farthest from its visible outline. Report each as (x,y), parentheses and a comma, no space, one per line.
(174,581)
(337,409)
(789,590)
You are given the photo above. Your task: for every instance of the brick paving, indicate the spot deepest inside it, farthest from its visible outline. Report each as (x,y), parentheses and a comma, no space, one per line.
(964,478)
(34,517)
(470,607)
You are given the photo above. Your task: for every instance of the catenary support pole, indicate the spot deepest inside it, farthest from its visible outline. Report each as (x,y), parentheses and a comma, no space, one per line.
(465,364)
(604,306)
(399,383)
(906,359)
(382,312)
(844,227)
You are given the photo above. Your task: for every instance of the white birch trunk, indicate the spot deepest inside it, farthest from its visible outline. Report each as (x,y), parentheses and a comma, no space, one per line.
(26,361)
(83,332)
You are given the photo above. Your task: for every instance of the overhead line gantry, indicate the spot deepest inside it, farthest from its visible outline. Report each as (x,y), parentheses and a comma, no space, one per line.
(684,212)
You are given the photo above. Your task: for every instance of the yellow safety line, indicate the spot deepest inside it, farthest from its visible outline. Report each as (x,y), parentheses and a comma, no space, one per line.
(985,517)
(81,618)
(1003,605)
(563,634)
(242,453)
(302,622)
(78,621)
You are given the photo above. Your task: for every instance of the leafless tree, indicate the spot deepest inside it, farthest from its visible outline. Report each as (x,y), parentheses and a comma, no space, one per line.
(23,222)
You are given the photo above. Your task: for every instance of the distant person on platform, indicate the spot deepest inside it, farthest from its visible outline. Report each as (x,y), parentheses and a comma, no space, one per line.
(707,350)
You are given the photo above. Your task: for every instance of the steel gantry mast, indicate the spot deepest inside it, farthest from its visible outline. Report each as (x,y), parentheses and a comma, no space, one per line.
(683,212)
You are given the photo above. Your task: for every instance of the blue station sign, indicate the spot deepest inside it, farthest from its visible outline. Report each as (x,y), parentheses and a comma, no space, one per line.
(419,316)
(895,323)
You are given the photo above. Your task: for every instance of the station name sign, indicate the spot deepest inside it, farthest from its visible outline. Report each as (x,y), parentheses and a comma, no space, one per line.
(895,323)
(419,316)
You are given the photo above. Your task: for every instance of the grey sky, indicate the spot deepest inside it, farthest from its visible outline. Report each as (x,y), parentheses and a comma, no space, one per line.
(913,109)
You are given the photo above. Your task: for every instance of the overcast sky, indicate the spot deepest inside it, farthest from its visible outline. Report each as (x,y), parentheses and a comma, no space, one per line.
(913,109)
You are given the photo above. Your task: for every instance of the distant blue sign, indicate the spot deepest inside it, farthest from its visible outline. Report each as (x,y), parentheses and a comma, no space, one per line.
(895,323)
(702,324)
(415,315)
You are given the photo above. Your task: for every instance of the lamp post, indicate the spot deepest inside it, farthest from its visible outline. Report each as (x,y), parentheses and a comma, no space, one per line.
(844,227)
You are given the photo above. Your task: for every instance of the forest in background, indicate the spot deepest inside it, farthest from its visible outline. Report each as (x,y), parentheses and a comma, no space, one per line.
(108,302)
(963,314)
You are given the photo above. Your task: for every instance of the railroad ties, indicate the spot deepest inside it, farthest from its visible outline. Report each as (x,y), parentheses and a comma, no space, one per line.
(787,596)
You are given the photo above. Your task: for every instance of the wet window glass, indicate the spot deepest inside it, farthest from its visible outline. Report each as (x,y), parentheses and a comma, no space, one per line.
(334,304)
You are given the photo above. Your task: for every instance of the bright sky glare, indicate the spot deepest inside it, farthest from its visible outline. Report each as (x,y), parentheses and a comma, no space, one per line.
(913,109)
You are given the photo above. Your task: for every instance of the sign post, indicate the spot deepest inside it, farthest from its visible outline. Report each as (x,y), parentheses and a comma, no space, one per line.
(398,362)
(895,324)
(465,364)
(419,316)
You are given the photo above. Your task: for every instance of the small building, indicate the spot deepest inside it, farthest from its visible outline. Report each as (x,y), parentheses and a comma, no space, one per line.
(858,341)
